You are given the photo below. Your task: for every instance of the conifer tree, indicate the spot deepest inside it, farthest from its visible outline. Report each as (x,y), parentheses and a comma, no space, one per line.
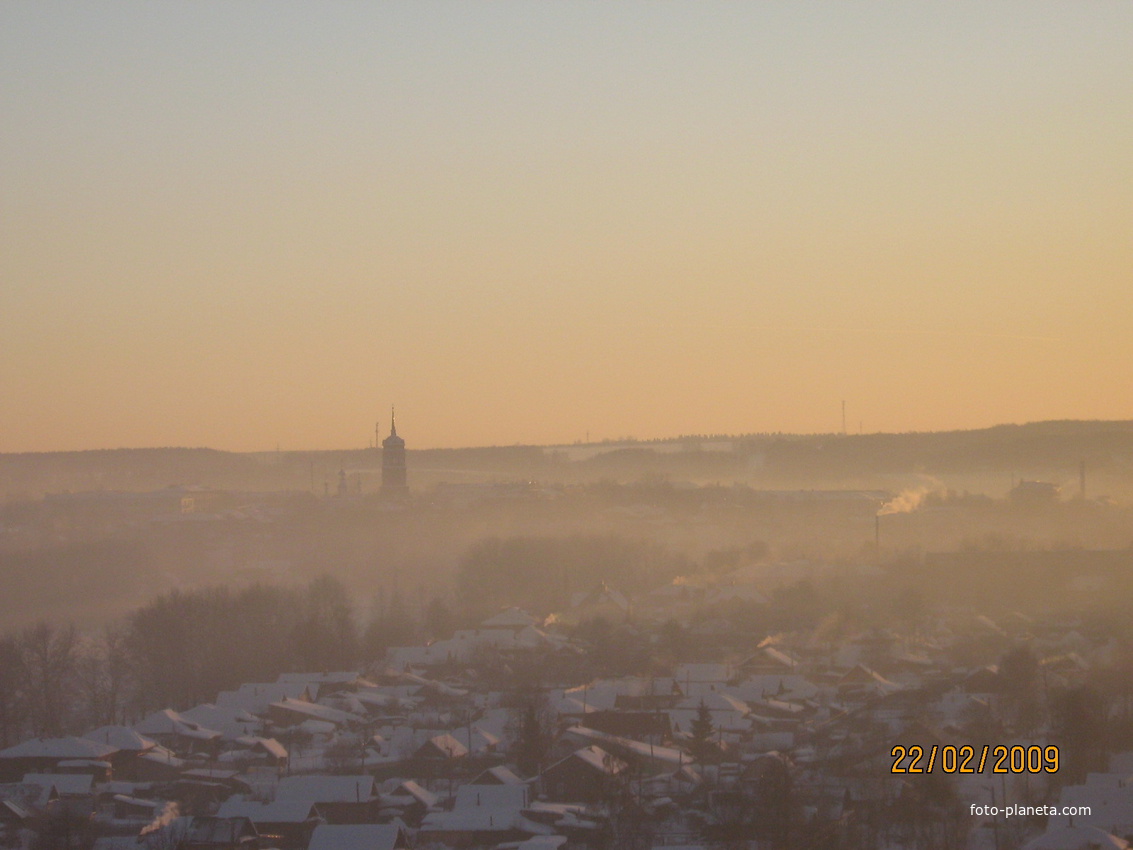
(700,732)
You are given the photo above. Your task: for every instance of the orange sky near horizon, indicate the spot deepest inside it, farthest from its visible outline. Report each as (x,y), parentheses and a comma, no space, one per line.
(261,224)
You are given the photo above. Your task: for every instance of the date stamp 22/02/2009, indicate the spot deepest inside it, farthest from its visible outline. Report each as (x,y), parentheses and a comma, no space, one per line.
(998,758)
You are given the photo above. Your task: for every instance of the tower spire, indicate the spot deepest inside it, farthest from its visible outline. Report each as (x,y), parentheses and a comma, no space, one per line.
(393,461)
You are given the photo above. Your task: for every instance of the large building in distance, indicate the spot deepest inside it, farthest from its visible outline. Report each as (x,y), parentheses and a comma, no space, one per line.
(394,479)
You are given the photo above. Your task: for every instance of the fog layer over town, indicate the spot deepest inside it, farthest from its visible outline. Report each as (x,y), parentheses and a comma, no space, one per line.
(704,642)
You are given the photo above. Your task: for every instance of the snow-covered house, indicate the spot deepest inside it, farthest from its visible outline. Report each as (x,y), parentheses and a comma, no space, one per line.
(483,815)
(339,799)
(178,733)
(284,823)
(584,776)
(45,754)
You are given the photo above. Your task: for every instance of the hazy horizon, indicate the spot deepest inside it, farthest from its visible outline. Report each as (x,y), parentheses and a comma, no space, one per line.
(671,438)
(258,225)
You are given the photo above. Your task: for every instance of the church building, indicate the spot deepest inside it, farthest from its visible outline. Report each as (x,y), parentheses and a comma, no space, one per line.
(394,481)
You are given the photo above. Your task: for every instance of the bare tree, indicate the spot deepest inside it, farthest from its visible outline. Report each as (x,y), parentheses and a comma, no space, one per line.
(102,676)
(48,657)
(13,705)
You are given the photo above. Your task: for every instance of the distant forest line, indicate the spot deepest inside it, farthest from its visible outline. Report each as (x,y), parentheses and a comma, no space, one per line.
(1052,450)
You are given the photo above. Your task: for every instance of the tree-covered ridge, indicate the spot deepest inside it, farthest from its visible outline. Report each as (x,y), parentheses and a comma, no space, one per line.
(1028,449)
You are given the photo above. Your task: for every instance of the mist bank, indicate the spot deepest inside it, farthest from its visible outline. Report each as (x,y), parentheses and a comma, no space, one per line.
(91,560)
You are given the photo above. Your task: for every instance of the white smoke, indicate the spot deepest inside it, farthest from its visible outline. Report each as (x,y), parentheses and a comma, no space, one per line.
(910,499)
(161,826)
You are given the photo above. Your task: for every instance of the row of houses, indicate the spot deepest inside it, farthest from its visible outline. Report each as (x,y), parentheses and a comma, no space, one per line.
(792,736)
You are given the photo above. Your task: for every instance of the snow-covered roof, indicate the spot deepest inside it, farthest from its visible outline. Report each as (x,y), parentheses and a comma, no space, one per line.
(448,745)
(316,712)
(486,808)
(160,755)
(597,758)
(727,712)
(230,721)
(335,677)
(425,683)
(715,701)
(270,746)
(1108,799)
(668,755)
(491,796)
(510,618)
(781,707)
(414,790)
(378,698)
(285,810)
(775,655)
(602,594)
(139,802)
(256,697)
(542,842)
(120,786)
(24,796)
(67,784)
(59,748)
(480,740)
(120,737)
(572,705)
(786,685)
(367,836)
(212,773)
(860,675)
(348,702)
(16,809)
(604,693)
(317,727)
(502,775)
(169,722)
(327,789)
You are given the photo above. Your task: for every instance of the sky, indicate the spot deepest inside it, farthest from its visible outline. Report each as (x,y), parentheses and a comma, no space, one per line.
(262,224)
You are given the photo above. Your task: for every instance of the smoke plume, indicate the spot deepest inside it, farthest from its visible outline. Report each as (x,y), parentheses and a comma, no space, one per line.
(908,500)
